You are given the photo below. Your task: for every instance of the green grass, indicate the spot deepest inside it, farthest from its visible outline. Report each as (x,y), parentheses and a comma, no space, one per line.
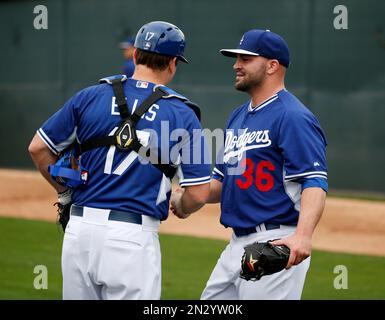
(25,244)
(187,263)
(366,277)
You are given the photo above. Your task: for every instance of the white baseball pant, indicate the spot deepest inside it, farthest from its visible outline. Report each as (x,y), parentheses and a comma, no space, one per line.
(104,259)
(225,284)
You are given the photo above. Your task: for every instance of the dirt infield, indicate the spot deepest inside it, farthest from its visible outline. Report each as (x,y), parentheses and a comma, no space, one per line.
(353,226)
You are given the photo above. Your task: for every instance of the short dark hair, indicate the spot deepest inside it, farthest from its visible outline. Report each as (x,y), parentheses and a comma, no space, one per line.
(152,60)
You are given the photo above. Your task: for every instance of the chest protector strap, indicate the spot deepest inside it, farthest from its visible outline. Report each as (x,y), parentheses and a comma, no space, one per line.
(125,138)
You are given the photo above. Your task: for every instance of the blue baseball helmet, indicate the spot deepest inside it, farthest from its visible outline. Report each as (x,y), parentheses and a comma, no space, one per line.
(162,38)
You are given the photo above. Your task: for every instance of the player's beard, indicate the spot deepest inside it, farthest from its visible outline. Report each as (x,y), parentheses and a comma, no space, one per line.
(251,80)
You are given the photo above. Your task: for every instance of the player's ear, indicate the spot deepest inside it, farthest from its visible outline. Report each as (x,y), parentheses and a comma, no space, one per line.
(172,64)
(272,66)
(134,56)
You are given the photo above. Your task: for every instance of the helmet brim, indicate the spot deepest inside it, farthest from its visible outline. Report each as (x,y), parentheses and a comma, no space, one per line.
(183,59)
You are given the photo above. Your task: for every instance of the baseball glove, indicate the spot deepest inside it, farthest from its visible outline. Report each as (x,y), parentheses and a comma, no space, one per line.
(63,208)
(262,258)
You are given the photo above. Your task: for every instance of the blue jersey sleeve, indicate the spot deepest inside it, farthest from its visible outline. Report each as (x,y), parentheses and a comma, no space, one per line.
(59,131)
(303,144)
(194,166)
(314,183)
(218,172)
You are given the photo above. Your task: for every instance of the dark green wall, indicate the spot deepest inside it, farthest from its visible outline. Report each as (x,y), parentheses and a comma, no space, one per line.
(339,74)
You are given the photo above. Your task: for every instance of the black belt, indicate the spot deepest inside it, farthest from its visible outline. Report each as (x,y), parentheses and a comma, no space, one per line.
(239,232)
(114,215)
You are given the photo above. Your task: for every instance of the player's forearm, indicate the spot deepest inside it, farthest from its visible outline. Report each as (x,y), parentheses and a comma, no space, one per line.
(312,206)
(41,162)
(215,191)
(194,198)
(42,157)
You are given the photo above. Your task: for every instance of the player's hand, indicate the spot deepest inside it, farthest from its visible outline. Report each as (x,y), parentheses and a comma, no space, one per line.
(176,204)
(300,248)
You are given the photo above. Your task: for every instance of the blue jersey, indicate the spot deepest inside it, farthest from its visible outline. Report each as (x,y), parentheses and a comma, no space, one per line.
(121,180)
(129,68)
(271,152)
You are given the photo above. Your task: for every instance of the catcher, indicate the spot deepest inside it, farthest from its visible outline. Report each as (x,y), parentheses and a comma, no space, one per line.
(121,175)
